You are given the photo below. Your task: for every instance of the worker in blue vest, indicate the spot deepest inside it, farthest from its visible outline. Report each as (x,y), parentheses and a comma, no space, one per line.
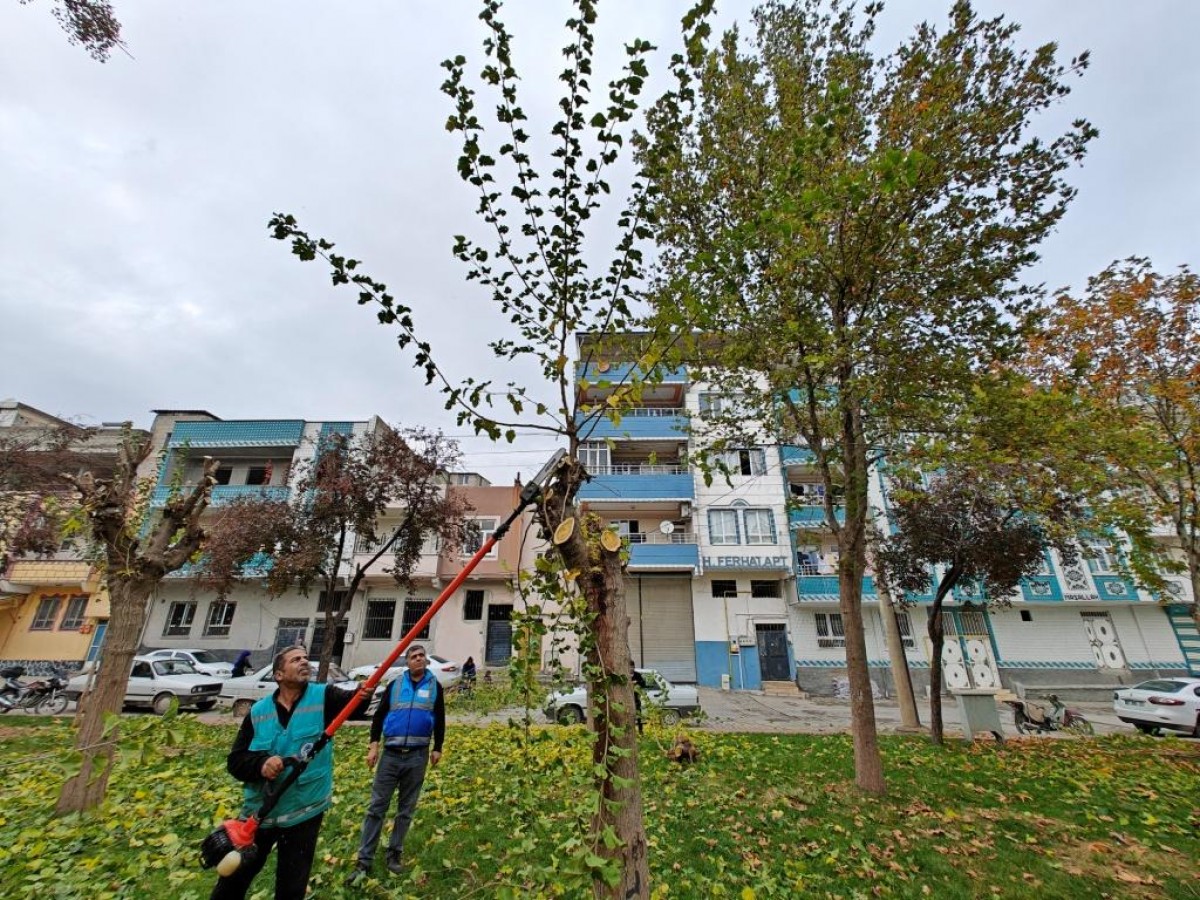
(411,720)
(278,727)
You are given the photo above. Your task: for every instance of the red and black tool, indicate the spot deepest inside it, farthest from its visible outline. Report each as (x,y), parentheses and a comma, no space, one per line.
(232,843)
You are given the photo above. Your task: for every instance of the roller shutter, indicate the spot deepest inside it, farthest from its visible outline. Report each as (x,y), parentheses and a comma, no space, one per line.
(662,633)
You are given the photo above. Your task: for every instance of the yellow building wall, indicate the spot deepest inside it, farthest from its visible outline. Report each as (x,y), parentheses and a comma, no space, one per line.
(51,577)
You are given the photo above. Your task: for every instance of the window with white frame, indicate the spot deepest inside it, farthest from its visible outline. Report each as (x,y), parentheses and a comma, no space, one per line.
(1100,558)
(744,462)
(829,630)
(179,618)
(432,544)
(713,403)
(220,618)
(73,618)
(47,612)
(723,526)
(478,532)
(594,456)
(904,624)
(760,526)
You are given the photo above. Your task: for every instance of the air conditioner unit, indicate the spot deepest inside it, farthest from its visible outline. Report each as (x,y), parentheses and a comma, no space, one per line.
(685,510)
(349,638)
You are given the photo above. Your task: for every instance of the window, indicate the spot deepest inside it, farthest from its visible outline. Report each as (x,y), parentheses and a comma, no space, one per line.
(744,462)
(628,528)
(223,474)
(722,526)
(220,617)
(431,545)
(904,624)
(594,457)
(256,475)
(47,612)
(141,670)
(323,600)
(179,619)
(715,404)
(1026,616)
(765,589)
(479,530)
(760,526)
(808,561)
(473,606)
(73,617)
(724,587)
(1100,557)
(829,630)
(377,626)
(413,610)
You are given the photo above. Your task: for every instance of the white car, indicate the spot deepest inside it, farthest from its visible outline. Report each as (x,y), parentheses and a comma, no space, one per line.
(446,672)
(156,683)
(675,700)
(241,693)
(1172,703)
(204,661)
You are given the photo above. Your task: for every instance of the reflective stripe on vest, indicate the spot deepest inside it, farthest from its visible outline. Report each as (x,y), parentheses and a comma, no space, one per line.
(409,722)
(312,792)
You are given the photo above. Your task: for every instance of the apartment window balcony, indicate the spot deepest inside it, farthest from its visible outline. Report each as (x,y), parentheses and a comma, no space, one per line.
(814,516)
(617,373)
(649,550)
(824,588)
(638,481)
(249,433)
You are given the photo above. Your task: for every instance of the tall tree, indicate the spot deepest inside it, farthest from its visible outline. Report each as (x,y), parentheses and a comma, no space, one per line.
(976,528)
(853,228)
(538,272)
(1130,349)
(341,502)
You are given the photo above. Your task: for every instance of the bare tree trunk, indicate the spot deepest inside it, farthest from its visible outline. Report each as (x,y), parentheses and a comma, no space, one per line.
(910,719)
(937,637)
(86,789)
(613,717)
(1193,559)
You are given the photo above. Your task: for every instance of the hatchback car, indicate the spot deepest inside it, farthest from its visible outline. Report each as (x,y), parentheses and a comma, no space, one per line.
(675,700)
(241,693)
(157,683)
(446,672)
(1171,703)
(203,661)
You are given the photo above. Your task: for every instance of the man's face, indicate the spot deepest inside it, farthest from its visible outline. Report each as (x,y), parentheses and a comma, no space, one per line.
(295,669)
(416,664)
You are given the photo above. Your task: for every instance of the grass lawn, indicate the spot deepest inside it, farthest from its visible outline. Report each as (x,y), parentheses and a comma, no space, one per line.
(758,816)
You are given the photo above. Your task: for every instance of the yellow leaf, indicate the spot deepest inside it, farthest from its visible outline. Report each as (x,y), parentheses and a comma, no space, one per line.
(748,893)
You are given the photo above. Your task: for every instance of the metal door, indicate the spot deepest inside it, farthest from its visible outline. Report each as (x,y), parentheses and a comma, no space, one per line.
(772,652)
(967,657)
(1103,638)
(498,649)
(662,633)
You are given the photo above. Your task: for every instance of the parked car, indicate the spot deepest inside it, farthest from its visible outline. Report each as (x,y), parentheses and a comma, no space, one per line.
(676,700)
(446,672)
(204,661)
(154,683)
(1171,703)
(241,693)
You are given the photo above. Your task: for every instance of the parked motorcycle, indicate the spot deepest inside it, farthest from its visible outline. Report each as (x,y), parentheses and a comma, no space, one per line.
(46,696)
(1033,718)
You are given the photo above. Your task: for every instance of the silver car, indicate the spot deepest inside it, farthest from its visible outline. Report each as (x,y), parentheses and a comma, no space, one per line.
(157,683)
(675,700)
(203,661)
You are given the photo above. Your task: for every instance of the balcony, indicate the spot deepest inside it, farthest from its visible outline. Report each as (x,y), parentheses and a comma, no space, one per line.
(618,373)
(654,550)
(796,456)
(249,433)
(223,493)
(813,516)
(669,423)
(638,482)
(824,588)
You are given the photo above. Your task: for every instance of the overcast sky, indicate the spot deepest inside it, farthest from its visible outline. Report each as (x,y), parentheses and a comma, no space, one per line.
(136,271)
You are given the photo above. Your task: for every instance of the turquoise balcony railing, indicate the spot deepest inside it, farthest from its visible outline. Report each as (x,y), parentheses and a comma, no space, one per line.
(223,493)
(664,554)
(618,373)
(638,424)
(796,456)
(245,433)
(811,588)
(813,516)
(258,566)
(639,482)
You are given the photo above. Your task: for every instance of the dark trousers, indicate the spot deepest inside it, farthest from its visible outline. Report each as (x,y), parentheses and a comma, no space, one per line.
(297,847)
(395,773)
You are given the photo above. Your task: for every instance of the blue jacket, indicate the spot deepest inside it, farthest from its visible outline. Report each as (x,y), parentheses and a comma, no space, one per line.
(409,721)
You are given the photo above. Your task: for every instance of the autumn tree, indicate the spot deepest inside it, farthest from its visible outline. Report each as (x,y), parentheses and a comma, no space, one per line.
(341,500)
(975,529)
(852,228)
(1129,349)
(91,24)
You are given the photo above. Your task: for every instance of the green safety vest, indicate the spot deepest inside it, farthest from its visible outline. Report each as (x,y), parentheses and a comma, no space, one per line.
(312,792)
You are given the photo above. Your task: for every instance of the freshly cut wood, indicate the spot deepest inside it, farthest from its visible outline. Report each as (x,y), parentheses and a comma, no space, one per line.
(610,540)
(563,532)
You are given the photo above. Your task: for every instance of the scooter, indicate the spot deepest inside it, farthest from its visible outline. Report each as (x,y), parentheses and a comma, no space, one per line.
(1033,718)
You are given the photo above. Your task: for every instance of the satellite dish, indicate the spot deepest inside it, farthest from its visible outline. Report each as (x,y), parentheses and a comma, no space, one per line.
(667,527)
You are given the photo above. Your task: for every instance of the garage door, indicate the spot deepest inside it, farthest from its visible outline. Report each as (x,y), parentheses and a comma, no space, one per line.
(662,634)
